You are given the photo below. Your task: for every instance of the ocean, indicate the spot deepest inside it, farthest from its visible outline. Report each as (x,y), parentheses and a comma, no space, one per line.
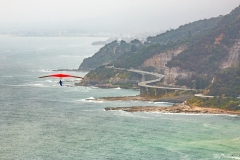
(41,120)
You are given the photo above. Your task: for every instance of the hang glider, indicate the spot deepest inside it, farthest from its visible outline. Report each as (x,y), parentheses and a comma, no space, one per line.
(61,76)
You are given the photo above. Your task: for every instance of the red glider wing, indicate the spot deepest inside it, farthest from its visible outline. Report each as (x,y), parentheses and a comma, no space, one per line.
(61,76)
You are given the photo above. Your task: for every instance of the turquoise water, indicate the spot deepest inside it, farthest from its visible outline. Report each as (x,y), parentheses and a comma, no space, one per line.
(41,120)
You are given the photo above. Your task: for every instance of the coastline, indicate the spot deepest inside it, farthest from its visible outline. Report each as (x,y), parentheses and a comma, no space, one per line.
(176,108)
(127,98)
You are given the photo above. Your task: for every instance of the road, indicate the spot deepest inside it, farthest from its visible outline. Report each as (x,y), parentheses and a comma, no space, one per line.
(146,84)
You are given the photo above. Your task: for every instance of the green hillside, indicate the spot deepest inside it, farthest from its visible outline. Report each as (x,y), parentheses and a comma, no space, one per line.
(206,51)
(128,60)
(205,57)
(186,31)
(227,83)
(108,53)
(135,48)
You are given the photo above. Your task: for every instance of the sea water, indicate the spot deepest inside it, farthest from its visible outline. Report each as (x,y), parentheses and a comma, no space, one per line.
(41,120)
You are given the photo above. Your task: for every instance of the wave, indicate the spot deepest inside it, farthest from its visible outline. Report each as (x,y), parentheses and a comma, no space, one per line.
(90,98)
(206,125)
(129,114)
(93,101)
(160,102)
(30,85)
(93,87)
(50,81)
(42,70)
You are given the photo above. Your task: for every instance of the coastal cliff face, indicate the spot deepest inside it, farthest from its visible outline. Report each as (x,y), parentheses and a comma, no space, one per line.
(171,74)
(159,60)
(232,59)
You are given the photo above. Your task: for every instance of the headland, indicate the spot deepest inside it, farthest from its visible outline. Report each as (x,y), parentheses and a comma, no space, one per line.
(176,108)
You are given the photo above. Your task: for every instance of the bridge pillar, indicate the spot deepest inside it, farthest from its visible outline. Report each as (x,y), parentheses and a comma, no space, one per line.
(156,91)
(143,90)
(143,78)
(166,91)
(147,91)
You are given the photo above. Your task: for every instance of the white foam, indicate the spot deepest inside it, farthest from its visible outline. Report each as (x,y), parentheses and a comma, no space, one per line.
(160,102)
(37,85)
(92,87)
(206,124)
(90,98)
(93,101)
(44,70)
(236,139)
(129,114)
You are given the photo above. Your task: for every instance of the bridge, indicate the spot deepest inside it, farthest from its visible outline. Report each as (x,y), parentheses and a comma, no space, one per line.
(145,85)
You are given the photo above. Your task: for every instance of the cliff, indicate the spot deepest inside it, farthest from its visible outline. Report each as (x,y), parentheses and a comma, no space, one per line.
(159,60)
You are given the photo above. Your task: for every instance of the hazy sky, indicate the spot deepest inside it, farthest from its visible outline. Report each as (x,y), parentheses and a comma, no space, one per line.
(108,15)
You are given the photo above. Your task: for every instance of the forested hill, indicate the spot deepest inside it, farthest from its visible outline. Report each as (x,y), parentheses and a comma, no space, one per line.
(206,58)
(134,60)
(186,31)
(203,58)
(206,55)
(114,50)
(110,52)
(227,83)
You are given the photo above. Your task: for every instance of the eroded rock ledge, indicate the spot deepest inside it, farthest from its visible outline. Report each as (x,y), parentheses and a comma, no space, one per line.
(178,108)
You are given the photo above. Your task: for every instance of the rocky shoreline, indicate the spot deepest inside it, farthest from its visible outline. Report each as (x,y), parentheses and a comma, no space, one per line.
(126,98)
(176,99)
(176,108)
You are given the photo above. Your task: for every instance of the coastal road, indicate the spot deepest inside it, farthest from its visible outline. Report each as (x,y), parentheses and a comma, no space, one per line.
(146,84)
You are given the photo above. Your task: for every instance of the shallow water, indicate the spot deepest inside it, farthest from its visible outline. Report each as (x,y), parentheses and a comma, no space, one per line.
(41,120)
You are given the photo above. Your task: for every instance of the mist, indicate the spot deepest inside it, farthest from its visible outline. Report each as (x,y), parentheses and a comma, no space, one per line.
(91,16)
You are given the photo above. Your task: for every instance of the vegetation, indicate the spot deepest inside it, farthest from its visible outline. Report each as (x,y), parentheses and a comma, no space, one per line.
(217,102)
(137,52)
(104,75)
(207,43)
(108,53)
(186,31)
(134,60)
(205,56)
(227,83)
